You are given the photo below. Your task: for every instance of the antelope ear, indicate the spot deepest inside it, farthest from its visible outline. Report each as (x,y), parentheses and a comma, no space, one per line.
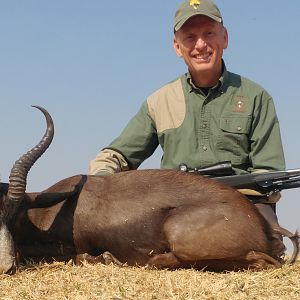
(57,193)
(44,199)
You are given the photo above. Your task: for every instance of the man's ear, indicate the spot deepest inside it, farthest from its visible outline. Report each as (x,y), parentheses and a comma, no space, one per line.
(176,47)
(225,38)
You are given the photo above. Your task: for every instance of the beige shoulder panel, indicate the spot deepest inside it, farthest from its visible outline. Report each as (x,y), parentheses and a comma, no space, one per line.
(108,161)
(167,106)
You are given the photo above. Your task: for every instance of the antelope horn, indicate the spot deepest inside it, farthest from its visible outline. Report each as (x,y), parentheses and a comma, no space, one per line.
(18,174)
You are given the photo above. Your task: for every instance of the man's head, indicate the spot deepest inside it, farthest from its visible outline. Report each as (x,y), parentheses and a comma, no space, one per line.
(200,39)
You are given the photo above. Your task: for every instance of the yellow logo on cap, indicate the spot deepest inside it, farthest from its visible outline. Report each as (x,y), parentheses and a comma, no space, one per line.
(195,3)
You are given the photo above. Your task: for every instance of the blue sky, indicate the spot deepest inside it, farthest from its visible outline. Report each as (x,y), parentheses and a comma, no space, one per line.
(92,64)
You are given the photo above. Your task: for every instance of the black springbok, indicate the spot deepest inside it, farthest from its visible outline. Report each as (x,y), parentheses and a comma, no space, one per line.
(155,218)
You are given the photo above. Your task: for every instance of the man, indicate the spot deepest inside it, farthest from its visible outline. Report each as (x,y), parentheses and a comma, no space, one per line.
(205,116)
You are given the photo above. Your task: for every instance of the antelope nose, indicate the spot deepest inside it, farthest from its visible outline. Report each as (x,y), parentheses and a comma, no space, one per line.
(12,270)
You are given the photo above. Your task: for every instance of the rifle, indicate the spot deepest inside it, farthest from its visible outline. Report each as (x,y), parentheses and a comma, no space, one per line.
(263,183)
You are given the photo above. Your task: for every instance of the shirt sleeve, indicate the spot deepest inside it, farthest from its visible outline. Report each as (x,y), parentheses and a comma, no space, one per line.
(108,162)
(266,151)
(136,143)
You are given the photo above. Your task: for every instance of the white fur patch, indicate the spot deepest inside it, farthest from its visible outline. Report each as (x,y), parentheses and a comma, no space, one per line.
(7,253)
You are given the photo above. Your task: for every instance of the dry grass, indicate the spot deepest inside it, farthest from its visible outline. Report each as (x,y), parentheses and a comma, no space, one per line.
(66,281)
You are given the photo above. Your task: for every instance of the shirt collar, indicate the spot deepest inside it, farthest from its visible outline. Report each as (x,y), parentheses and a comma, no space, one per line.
(220,86)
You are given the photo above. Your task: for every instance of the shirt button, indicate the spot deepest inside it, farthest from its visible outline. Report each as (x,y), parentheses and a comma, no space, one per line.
(239,128)
(204,126)
(204,148)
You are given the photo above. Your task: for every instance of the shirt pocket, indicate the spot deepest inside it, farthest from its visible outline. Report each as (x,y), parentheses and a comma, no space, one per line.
(233,138)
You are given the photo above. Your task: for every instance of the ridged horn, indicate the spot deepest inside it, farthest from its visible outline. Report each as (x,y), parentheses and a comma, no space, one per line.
(18,173)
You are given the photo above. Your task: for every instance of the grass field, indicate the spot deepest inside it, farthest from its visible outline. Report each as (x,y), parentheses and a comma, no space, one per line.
(66,281)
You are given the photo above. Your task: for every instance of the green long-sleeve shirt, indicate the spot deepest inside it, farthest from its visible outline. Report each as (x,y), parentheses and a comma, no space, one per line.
(236,121)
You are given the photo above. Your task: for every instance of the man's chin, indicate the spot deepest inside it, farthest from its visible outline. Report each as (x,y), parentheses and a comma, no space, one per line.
(205,67)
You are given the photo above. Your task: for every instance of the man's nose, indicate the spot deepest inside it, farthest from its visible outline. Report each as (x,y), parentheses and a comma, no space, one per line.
(200,43)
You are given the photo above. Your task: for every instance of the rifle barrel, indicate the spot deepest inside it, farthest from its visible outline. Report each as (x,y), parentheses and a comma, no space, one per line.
(264,182)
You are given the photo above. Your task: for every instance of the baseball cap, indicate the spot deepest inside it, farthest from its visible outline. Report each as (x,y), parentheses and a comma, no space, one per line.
(190,8)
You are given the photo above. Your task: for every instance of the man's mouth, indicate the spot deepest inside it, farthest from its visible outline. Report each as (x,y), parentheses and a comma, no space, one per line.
(203,57)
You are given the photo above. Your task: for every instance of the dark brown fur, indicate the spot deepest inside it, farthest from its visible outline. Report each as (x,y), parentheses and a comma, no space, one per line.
(160,218)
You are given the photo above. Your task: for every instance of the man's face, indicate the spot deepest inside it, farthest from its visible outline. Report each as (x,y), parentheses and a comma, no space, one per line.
(200,42)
